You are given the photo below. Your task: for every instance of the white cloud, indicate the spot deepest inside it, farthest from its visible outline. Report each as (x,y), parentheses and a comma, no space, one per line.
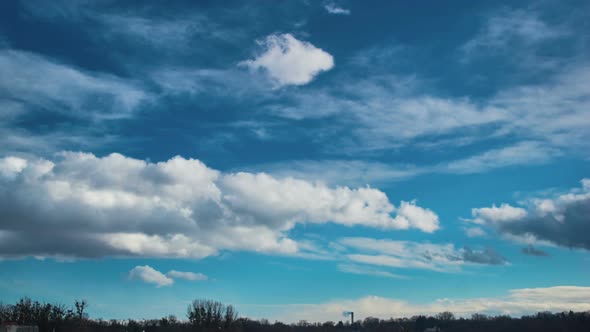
(192,276)
(558,220)
(421,218)
(290,61)
(292,199)
(12,166)
(494,214)
(517,302)
(148,274)
(332,8)
(175,208)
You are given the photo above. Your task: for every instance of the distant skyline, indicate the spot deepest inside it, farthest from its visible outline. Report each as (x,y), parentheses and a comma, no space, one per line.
(296,159)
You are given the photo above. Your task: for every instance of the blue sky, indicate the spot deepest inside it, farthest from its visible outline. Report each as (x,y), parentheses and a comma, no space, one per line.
(296,159)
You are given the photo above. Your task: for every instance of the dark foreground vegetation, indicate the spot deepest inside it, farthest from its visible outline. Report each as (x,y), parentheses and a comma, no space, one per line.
(208,316)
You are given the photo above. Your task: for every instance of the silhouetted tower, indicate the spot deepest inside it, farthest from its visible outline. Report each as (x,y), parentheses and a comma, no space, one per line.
(347,313)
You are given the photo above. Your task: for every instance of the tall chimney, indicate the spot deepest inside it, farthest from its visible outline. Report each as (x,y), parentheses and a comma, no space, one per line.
(351,318)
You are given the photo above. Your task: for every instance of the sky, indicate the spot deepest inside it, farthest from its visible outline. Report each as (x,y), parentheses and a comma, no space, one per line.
(296,159)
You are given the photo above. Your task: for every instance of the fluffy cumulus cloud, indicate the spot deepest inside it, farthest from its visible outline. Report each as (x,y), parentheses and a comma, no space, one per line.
(290,61)
(150,275)
(516,302)
(416,255)
(81,205)
(560,220)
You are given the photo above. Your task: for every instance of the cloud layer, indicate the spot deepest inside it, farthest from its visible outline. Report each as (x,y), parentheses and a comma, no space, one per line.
(516,302)
(81,205)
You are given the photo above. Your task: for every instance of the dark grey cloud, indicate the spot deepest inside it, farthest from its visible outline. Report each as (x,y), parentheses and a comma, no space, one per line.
(532,251)
(487,256)
(563,220)
(569,228)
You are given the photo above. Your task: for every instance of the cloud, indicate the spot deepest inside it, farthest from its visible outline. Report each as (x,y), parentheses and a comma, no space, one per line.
(166,35)
(415,255)
(290,61)
(487,256)
(532,251)
(507,28)
(332,8)
(351,172)
(38,82)
(71,103)
(475,232)
(370,271)
(559,220)
(517,302)
(192,276)
(529,123)
(174,208)
(421,218)
(362,172)
(495,214)
(521,153)
(149,275)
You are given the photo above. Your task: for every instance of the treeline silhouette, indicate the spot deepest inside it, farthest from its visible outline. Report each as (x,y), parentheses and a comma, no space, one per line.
(209,316)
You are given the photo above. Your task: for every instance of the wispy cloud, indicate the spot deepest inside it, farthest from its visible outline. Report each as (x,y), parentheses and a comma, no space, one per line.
(416,255)
(74,103)
(192,276)
(363,172)
(332,8)
(508,30)
(41,83)
(367,270)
